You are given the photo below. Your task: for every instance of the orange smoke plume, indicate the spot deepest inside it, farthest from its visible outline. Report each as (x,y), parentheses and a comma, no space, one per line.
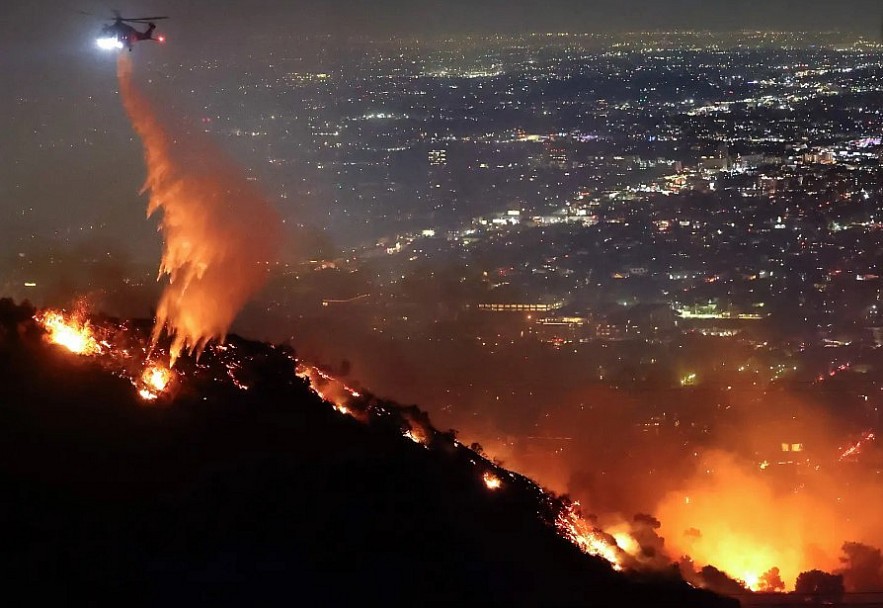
(219,233)
(729,516)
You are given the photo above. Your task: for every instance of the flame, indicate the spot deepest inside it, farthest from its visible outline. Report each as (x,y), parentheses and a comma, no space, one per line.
(154,381)
(156,378)
(728,515)
(856,448)
(492,481)
(67,331)
(590,540)
(332,390)
(733,518)
(626,542)
(417,435)
(219,234)
(739,523)
(751,581)
(568,523)
(78,337)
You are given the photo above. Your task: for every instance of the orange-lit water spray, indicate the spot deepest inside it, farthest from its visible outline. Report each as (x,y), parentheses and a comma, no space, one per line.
(219,234)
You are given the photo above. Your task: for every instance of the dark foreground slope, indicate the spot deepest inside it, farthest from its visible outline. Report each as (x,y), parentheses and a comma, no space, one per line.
(259,497)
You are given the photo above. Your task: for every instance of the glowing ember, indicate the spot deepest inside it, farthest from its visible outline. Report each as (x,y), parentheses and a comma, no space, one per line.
(70,333)
(856,448)
(491,481)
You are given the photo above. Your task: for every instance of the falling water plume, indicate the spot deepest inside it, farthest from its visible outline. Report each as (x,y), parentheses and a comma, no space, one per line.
(220,235)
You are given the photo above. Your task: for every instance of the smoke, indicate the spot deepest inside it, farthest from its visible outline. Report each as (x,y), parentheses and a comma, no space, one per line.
(862,567)
(220,234)
(745,526)
(720,475)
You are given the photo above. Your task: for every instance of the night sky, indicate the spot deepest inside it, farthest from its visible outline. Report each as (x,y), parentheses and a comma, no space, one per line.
(52,180)
(39,22)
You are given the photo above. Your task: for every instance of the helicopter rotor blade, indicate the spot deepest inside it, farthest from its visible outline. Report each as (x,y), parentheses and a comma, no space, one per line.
(141,19)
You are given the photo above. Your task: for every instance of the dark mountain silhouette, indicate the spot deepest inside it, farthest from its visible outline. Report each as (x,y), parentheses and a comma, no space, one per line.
(262,497)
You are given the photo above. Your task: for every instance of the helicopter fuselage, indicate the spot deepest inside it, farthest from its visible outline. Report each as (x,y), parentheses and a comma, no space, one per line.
(126,34)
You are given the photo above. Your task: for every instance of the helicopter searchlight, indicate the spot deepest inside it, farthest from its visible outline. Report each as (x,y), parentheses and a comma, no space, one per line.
(122,32)
(109,43)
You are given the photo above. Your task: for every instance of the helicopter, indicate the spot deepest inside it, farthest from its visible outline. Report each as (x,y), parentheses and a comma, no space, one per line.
(121,34)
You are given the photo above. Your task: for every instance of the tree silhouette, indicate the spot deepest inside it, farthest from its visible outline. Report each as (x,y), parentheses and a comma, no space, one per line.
(823,586)
(862,567)
(772,581)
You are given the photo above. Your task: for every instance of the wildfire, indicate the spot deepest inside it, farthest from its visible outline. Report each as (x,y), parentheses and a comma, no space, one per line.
(856,448)
(154,381)
(568,523)
(626,542)
(735,521)
(67,331)
(78,336)
(328,388)
(589,539)
(751,581)
(492,481)
(416,435)
(740,535)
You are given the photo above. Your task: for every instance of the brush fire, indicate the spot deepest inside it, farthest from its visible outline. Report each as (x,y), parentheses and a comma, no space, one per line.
(730,527)
(127,352)
(154,381)
(74,335)
(728,533)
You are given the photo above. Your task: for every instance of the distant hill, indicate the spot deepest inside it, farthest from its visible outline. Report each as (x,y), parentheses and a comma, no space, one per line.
(265,496)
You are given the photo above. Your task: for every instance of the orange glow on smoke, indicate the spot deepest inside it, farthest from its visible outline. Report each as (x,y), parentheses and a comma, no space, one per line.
(219,233)
(737,522)
(67,331)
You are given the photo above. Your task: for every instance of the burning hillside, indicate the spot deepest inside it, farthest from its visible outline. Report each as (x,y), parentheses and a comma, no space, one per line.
(746,561)
(237,457)
(123,349)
